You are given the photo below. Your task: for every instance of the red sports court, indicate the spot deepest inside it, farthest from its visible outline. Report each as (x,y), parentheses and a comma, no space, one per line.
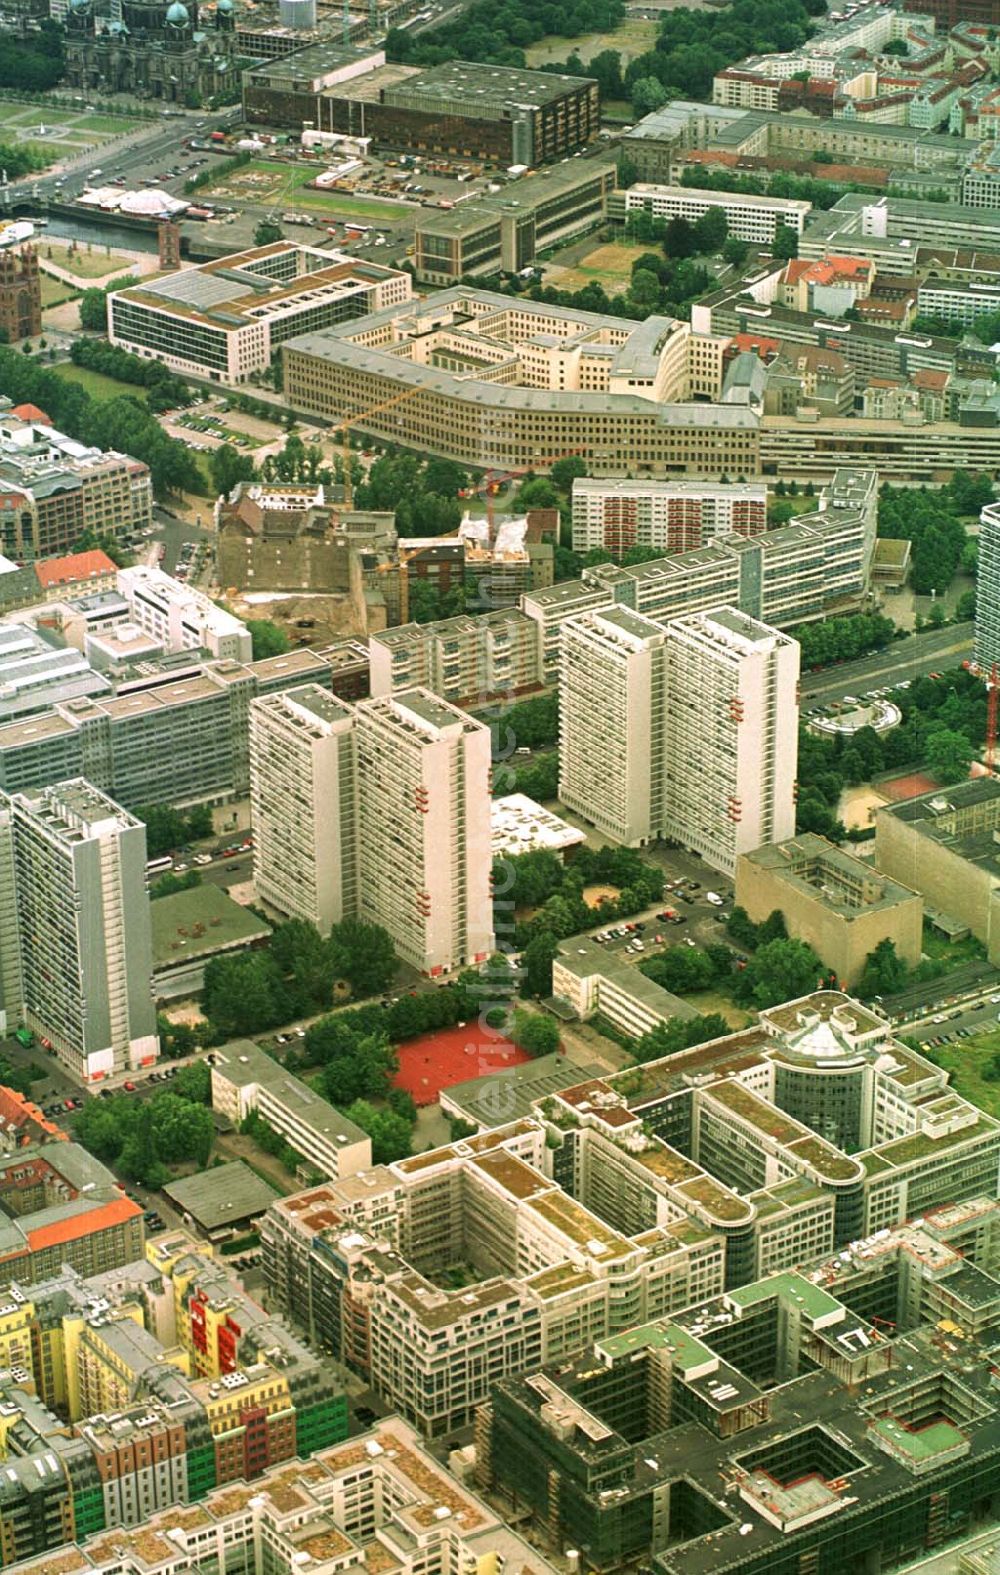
(452,1055)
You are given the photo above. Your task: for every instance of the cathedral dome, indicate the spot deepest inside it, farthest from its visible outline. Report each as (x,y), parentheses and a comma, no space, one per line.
(225,8)
(177,15)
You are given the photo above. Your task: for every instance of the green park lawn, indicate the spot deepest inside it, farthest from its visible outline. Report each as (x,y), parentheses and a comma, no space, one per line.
(55,291)
(340,204)
(84,264)
(635,36)
(96,384)
(965,1062)
(110,125)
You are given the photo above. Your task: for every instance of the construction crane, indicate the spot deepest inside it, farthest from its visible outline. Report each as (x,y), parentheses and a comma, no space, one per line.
(348,422)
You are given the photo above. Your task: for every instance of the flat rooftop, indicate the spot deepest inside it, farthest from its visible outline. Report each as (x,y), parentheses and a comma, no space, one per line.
(467,86)
(510,1093)
(225,1195)
(197,922)
(231,292)
(840,883)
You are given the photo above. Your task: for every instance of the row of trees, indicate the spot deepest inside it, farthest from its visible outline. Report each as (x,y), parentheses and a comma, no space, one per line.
(217,171)
(985,326)
(687,282)
(678,1033)
(296,461)
(94,304)
(781,183)
(529,724)
(423,493)
(840,639)
(538,780)
(164,389)
(124,423)
(20,158)
(295,975)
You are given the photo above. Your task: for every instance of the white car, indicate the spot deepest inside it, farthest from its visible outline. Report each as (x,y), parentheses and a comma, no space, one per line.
(714,898)
(203,858)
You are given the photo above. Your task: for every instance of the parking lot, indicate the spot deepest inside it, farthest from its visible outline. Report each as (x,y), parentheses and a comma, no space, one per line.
(690,914)
(869,697)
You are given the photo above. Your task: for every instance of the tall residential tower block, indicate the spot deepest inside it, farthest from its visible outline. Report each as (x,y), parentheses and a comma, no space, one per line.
(686,728)
(75,928)
(303,800)
(378,811)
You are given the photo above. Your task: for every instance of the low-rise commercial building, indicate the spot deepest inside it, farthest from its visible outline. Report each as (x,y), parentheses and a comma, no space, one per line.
(750,218)
(519,825)
(943,845)
(226,319)
(181,617)
(507,384)
(192,926)
(502,114)
(223,1201)
(505,232)
(244,1079)
(836,903)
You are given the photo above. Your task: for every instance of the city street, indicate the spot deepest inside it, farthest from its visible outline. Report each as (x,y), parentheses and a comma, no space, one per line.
(908,658)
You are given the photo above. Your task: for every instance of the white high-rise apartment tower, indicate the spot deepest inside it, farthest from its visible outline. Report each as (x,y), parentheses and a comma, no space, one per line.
(732,734)
(74,866)
(987,646)
(304,804)
(612,719)
(686,729)
(424,828)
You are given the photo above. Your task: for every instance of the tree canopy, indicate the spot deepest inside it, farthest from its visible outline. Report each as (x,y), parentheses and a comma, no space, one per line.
(140,1138)
(122,423)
